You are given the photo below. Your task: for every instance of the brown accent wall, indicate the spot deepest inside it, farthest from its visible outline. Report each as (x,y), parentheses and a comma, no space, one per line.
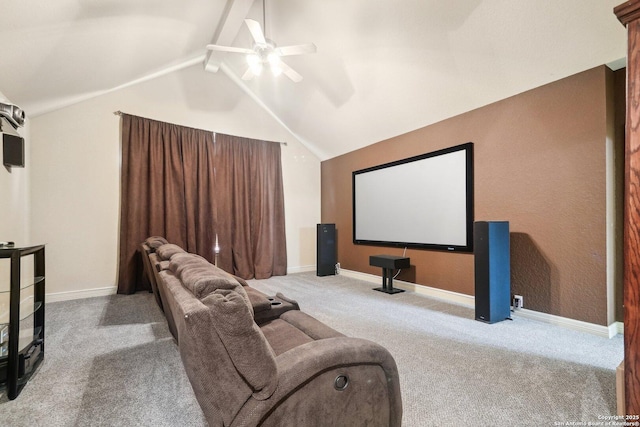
(539,164)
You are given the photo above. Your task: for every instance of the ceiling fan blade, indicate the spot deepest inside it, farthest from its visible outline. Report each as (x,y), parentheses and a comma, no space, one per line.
(229,49)
(256,31)
(248,75)
(296,49)
(290,72)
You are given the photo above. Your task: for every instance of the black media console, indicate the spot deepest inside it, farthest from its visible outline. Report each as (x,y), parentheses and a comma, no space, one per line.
(389,263)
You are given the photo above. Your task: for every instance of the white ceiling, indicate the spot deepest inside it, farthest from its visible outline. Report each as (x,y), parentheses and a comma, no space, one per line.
(383,67)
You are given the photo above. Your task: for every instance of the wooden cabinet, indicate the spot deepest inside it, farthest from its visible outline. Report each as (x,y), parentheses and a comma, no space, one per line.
(628,14)
(21,317)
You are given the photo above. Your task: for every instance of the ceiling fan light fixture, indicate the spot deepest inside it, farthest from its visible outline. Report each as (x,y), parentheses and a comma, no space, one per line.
(264,53)
(276,70)
(274,64)
(254,63)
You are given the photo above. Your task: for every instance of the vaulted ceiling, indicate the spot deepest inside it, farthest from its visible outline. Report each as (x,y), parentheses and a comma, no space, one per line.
(383,67)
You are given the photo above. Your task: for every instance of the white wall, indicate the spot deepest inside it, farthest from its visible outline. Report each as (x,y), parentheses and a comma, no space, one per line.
(14,213)
(76,172)
(14,194)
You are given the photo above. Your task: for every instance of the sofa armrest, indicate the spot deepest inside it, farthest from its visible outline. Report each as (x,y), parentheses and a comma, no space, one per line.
(294,303)
(259,301)
(308,386)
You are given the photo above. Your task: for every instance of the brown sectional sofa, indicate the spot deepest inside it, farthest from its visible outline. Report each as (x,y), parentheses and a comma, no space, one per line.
(264,307)
(252,364)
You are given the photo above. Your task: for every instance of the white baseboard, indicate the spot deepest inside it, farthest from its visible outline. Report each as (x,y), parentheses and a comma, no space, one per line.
(458,298)
(577,325)
(469,301)
(84,293)
(112,290)
(301,269)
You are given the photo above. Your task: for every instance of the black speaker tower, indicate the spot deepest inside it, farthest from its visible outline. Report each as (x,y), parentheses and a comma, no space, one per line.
(492,270)
(326,250)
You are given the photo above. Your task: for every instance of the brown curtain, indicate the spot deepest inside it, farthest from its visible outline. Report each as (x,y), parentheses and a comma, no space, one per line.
(251,216)
(178,183)
(167,188)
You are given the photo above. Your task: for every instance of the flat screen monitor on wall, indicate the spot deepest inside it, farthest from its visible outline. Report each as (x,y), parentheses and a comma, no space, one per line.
(12,150)
(424,201)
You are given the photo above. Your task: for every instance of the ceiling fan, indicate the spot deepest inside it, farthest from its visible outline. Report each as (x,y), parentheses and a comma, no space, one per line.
(265,53)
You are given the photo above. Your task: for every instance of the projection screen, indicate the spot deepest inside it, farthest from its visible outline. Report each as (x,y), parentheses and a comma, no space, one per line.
(424,201)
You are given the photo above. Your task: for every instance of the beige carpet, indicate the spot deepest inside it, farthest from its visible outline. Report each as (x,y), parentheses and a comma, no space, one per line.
(455,371)
(110,361)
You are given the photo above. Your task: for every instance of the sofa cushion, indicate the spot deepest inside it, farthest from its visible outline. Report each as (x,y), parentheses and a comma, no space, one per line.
(294,328)
(249,350)
(186,258)
(202,280)
(184,261)
(166,251)
(181,260)
(201,277)
(283,336)
(309,325)
(154,242)
(240,280)
(162,265)
(201,285)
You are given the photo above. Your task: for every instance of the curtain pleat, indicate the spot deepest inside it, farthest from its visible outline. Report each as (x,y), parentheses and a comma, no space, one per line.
(233,212)
(251,218)
(198,160)
(177,183)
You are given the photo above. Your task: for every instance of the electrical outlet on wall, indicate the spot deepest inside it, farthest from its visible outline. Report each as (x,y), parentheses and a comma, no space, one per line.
(518,302)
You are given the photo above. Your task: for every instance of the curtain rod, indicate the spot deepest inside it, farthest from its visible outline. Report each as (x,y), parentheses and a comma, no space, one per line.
(120,113)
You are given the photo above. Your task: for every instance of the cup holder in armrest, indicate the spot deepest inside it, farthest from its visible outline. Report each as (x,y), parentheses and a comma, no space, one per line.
(277,306)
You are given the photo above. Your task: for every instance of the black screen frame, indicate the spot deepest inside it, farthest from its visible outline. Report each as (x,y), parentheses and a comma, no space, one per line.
(469,188)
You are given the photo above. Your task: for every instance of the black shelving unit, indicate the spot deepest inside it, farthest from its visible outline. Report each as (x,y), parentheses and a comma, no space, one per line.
(22,349)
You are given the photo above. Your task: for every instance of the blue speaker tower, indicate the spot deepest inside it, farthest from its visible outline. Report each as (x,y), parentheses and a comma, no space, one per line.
(492,270)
